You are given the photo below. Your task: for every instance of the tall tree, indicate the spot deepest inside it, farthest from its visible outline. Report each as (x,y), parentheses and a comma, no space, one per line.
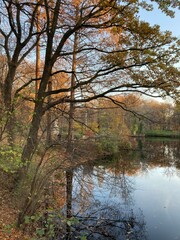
(72,93)
(140,60)
(120,54)
(18,39)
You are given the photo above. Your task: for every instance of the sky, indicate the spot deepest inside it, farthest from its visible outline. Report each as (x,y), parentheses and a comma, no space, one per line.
(166,22)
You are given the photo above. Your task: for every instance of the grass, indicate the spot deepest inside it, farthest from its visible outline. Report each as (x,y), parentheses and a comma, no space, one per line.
(162,133)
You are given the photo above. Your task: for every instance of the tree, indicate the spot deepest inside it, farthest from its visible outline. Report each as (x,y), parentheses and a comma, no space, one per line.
(175,118)
(119,53)
(139,63)
(18,38)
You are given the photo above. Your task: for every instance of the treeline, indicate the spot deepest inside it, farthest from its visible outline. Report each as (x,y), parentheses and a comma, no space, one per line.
(111,119)
(105,118)
(115,116)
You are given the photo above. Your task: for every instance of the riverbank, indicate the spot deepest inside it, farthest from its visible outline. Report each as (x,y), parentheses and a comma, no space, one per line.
(85,150)
(10,197)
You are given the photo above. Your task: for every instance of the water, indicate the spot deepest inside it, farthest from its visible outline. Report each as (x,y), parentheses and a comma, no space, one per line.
(132,196)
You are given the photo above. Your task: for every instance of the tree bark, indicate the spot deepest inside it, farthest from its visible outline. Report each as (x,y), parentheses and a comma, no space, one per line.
(7,98)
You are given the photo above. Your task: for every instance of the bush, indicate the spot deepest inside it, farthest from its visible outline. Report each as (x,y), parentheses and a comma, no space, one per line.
(10,158)
(112,145)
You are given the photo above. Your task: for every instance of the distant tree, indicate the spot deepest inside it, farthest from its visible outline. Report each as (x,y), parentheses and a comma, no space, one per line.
(175,118)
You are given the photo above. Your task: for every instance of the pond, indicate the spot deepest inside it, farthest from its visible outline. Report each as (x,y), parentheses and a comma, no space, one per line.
(135,195)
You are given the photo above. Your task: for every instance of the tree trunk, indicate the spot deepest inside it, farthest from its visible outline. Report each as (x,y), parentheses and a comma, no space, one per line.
(7,98)
(69,179)
(32,140)
(72,108)
(38,57)
(49,118)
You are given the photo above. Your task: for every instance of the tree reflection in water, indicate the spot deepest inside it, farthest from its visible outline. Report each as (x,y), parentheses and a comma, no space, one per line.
(111,222)
(100,201)
(96,219)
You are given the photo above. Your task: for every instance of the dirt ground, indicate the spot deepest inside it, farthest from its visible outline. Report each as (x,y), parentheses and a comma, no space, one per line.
(8,212)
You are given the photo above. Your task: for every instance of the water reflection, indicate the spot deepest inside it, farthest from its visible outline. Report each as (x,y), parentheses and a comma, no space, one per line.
(102,202)
(132,196)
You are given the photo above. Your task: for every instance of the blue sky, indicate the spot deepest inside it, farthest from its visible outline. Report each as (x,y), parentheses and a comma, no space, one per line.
(166,22)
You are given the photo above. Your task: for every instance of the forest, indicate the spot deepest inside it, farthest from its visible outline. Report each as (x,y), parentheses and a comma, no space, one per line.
(79,80)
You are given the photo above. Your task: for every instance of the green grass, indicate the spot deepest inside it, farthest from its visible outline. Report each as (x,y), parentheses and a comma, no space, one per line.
(162,133)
